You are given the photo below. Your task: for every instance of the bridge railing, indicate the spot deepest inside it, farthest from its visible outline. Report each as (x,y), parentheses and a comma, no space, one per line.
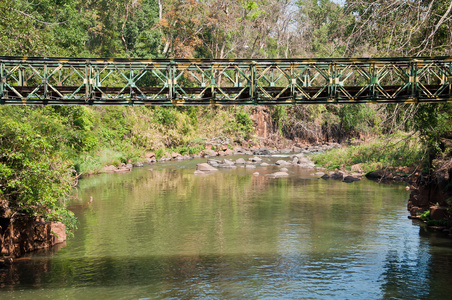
(71,81)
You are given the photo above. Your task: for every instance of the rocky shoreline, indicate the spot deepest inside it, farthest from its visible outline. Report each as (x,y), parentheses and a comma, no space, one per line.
(214,152)
(22,234)
(431,203)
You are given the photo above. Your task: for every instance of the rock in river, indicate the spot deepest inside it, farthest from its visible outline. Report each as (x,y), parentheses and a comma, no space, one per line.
(350,179)
(205,167)
(278,175)
(240,161)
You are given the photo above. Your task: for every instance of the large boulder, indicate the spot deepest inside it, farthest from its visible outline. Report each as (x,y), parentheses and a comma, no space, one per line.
(207,152)
(255,159)
(240,161)
(379,174)
(278,175)
(227,166)
(213,162)
(262,151)
(337,176)
(205,167)
(307,165)
(228,162)
(438,212)
(350,179)
(325,176)
(228,152)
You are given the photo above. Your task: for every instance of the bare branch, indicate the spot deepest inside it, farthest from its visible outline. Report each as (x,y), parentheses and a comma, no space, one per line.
(42,22)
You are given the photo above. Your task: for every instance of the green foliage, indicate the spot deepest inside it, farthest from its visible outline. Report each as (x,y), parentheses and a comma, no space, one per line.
(357,118)
(280,118)
(436,222)
(328,23)
(241,126)
(391,151)
(34,176)
(165,116)
(252,10)
(79,28)
(425,216)
(433,121)
(159,153)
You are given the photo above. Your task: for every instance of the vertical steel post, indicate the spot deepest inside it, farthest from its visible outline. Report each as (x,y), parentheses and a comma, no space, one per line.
(44,80)
(170,78)
(373,80)
(449,79)
(21,82)
(87,81)
(2,82)
(293,81)
(332,83)
(252,88)
(131,84)
(413,81)
(212,84)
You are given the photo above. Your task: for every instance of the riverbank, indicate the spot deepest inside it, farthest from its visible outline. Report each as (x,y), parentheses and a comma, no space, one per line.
(430,202)
(24,234)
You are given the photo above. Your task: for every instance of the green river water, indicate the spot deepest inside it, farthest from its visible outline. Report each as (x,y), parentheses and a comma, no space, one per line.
(168,234)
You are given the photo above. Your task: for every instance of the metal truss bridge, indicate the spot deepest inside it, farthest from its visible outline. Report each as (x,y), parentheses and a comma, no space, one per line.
(96,81)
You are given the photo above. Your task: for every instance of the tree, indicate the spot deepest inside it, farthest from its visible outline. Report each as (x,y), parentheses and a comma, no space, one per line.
(402,28)
(323,27)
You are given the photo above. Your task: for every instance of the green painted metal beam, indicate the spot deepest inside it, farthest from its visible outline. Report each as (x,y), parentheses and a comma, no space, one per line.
(175,82)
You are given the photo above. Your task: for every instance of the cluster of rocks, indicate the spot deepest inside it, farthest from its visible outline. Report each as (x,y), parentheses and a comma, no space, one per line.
(122,168)
(343,176)
(220,151)
(213,165)
(297,160)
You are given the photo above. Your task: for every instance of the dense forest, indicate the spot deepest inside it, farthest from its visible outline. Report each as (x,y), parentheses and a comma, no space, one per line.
(44,149)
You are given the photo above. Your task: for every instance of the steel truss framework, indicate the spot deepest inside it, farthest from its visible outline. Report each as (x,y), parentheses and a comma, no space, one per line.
(76,81)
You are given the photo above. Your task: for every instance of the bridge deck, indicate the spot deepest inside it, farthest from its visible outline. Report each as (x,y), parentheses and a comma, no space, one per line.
(71,81)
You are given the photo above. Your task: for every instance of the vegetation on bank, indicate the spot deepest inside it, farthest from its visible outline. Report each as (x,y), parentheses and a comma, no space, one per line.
(381,152)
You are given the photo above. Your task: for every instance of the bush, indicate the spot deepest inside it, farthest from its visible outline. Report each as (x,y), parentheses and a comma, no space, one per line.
(241,127)
(391,151)
(34,177)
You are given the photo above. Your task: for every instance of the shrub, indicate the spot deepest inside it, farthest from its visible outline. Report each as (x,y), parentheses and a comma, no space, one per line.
(34,177)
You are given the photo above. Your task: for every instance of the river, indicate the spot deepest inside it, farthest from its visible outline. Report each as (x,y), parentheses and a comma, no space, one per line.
(168,234)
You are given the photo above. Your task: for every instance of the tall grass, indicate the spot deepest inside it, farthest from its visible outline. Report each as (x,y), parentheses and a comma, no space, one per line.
(397,150)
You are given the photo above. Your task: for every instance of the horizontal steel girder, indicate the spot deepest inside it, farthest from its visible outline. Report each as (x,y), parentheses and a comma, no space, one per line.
(86,81)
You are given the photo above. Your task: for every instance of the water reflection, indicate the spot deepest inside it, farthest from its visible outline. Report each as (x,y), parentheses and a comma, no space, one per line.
(169,234)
